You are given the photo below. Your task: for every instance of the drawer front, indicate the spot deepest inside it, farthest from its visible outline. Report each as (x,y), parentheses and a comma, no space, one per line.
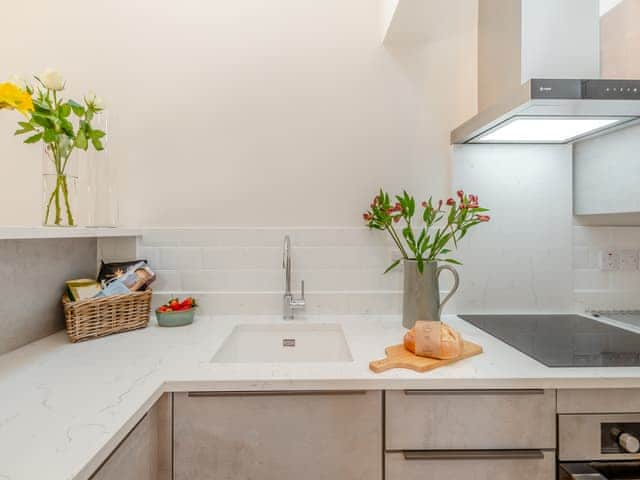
(485,465)
(612,400)
(470,419)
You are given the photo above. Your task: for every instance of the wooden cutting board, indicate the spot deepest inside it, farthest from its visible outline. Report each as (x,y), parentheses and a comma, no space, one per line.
(400,357)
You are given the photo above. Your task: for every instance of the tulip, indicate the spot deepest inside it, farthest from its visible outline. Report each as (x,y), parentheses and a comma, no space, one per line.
(451,202)
(52,80)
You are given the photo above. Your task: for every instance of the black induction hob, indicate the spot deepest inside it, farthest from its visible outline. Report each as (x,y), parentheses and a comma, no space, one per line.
(563,340)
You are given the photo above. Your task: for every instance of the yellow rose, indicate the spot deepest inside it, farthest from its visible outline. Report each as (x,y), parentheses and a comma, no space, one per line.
(14,98)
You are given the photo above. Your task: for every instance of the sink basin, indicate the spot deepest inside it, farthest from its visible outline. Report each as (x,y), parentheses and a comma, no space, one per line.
(267,343)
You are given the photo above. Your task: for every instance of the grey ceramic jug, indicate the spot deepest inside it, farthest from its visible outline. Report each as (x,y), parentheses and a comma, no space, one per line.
(421,296)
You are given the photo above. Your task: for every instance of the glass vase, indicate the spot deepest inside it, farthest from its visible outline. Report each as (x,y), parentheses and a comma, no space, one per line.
(98,195)
(59,185)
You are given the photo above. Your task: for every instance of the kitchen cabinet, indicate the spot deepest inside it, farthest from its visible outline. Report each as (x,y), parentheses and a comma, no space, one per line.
(276,435)
(476,465)
(145,453)
(597,400)
(470,419)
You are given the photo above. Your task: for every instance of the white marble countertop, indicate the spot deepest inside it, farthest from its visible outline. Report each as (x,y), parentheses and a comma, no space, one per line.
(64,407)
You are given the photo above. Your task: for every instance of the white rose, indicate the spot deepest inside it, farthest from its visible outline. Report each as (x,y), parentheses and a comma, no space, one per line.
(18,81)
(52,79)
(92,99)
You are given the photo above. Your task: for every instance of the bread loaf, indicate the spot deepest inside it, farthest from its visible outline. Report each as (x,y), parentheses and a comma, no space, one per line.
(433,339)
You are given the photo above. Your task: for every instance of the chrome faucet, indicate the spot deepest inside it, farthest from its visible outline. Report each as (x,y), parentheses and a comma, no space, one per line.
(289,301)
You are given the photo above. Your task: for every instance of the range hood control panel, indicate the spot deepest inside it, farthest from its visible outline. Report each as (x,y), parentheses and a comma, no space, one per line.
(585,89)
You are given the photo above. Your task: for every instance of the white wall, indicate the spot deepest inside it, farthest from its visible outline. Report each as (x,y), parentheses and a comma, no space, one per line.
(244,112)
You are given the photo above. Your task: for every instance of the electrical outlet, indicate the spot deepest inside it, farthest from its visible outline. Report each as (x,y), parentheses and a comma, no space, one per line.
(628,260)
(609,260)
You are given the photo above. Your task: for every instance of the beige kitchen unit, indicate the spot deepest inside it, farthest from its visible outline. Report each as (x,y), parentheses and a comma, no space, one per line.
(355,435)
(495,434)
(145,453)
(278,435)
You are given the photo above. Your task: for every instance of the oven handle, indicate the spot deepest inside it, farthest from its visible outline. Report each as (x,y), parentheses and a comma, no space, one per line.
(579,471)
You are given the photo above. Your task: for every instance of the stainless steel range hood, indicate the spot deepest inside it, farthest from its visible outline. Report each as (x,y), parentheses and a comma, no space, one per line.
(533,57)
(555,111)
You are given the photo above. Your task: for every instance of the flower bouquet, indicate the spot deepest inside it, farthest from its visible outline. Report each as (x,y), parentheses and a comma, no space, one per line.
(444,224)
(61,125)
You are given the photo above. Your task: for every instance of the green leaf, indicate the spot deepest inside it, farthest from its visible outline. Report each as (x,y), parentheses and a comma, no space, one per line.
(392,266)
(73,104)
(97,134)
(67,127)
(41,106)
(34,138)
(97,144)
(64,110)
(451,260)
(78,111)
(44,120)
(27,126)
(49,136)
(81,141)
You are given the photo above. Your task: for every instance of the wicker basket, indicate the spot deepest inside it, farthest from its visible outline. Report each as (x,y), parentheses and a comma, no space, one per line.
(97,317)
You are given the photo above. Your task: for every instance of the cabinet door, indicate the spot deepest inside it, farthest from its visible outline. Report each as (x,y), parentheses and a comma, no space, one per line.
(145,453)
(278,435)
(476,465)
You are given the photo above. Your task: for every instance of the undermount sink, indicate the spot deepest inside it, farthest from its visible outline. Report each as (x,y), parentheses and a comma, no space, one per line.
(275,343)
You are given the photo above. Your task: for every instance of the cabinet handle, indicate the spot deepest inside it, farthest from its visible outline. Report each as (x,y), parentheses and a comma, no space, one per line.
(472,454)
(278,393)
(531,391)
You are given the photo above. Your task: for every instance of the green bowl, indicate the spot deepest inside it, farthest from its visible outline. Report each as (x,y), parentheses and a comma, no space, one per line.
(175,319)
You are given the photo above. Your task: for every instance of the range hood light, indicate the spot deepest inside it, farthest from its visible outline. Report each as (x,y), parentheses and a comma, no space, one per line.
(545,130)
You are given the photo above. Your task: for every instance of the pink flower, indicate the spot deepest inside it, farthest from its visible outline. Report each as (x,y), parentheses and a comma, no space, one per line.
(451,202)
(439,204)
(473,198)
(483,218)
(425,204)
(367,216)
(397,219)
(460,194)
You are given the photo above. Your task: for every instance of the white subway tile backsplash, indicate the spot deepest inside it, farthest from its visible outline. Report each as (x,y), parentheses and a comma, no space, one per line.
(167,281)
(167,258)
(239,270)
(150,254)
(242,258)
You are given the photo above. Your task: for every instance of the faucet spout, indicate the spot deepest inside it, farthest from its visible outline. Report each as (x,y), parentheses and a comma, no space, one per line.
(289,301)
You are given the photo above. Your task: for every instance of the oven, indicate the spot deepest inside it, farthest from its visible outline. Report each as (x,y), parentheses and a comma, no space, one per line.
(599,447)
